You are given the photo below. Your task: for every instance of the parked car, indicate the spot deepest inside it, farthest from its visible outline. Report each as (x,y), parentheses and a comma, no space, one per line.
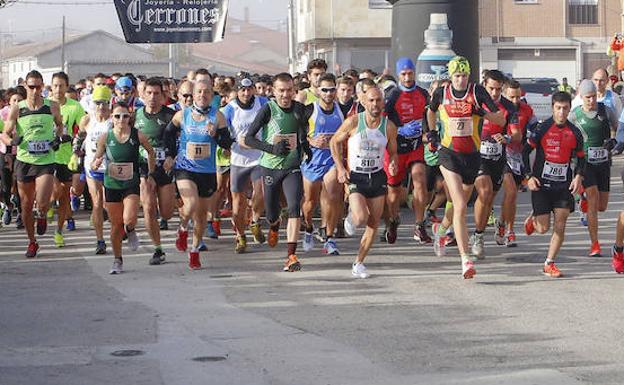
(537,92)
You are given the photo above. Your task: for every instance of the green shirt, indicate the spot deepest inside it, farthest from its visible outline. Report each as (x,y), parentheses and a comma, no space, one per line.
(122,161)
(594,126)
(71,112)
(281,123)
(153,127)
(36,127)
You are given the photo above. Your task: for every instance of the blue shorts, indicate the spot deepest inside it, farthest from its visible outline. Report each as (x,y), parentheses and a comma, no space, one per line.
(99,176)
(320,164)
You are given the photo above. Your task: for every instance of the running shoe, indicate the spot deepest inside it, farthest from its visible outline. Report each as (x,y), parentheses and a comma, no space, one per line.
(491,219)
(432,218)
(210,231)
(19,224)
(382,236)
(202,246)
(31,251)
(74,202)
(476,245)
(257,233)
(349,227)
(71,224)
(241,244)
(308,241)
(163,225)
(439,241)
(100,248)
(450,239)
(216,225)
(59,240)
(50,214)
(194,263)
(330,247)
(273,238)
(551,270)
(133,240)
(359,271)
(182,240)
(510,241)
(320,234)
(618,261)
(42,226)
(468,269)
(595,249)
(117,267)
(157,258)
(529,225)
(292,264)
(6,216)
(421,236)
(500,233)
(225,213)
(583,219)
(391,234)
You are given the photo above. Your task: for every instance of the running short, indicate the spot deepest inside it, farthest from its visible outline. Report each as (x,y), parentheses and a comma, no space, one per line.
(466,165)
(240,177)
(369,185)
(223,169)
(433,175)
(116,196)
(98,176)
(160,176)
(315,169)
(517,178)
(495,169)
(597,175)
(405,162)
(26,172)
(545,201)
(206,182)
(62,173)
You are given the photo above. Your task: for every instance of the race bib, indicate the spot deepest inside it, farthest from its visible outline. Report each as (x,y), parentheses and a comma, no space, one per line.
(515,163)
(122,171)
(460,127)
(597,155)
(491,150)
(197,151)
(291,138)
(160,154)
(555,172)
(368,159)
(38,147)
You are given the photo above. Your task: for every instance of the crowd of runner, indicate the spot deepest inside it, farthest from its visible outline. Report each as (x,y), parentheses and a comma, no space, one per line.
(263,150)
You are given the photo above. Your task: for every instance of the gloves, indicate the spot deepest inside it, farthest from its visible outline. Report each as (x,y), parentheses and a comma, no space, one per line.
(55,143)
(17,141)
(66,139)
(73,163)
(609,144)
(281,148)
(433,137)
(305,146)
(411,129)
(619,147)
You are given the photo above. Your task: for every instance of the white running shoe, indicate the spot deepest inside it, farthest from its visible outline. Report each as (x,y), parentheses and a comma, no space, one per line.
(117,267)
(468,269)
(359,271)
(308,241)
(133,240)
(349,227)
(439,241)
(477,243)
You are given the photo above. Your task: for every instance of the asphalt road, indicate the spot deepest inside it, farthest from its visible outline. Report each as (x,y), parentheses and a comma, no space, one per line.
(240,320)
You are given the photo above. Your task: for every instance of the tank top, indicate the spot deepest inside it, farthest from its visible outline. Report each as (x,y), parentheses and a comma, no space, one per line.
(197,149)
(595,129)
(321,123)
(122,161)
(367,146)
(36,127)
(95,129)
(283,125)
(461,126)
(240,120)
(310,96)
(152,126)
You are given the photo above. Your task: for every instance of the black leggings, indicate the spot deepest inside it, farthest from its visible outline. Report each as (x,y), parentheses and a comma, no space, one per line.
(274,182)
(6,181)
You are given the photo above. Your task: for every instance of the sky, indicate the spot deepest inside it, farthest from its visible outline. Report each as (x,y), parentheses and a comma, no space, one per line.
(43,21)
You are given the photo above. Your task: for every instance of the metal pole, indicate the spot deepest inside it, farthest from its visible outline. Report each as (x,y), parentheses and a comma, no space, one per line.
(172,61)
(63,45)
(291,37)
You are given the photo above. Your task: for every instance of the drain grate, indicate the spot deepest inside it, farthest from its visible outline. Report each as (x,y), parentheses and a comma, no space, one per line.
(127,353)
(209,358)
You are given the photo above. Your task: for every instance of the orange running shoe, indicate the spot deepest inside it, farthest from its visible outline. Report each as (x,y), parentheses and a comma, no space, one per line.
(551,270)
(618,261)
(292,263)
(273,238)
(595,249)
(529,225)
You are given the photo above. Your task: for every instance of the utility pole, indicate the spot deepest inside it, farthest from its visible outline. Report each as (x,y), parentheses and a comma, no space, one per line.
(63,45)
(291,36)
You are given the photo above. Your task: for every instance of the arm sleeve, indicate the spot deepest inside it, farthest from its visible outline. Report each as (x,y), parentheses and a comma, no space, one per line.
(170,139)
(532,141)
(223,138)
(484,98)
(436,99)
(263,117)
(579,153)
(391,112)
(301,113)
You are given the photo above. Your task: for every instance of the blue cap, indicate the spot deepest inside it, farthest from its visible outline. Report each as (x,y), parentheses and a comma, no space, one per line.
(404,63)
(123,82)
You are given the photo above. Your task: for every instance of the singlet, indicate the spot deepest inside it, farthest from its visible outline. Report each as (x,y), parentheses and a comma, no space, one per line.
(36,127)
(594,126)
(239,120)
(310,96)
(404,107)
(513,150)
(321,123)
(367,146)
(555,147)
(283,125)
(153,126)
(197,149)
(94,130)
(461,125)
(71,113)
(490,149)
(122,161)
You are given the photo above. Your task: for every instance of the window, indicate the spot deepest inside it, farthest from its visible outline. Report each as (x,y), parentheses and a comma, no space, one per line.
(583,11)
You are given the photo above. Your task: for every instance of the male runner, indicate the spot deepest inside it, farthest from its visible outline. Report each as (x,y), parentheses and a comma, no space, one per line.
(34,125)
(316,69)
(368,135)
(151,121)
(283,140)
(551,179)
(185,96)
(345,89)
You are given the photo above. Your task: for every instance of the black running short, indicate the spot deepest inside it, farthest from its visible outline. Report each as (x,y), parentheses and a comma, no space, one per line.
(160,176)
(545,201)
(206,182)
(116,196)
(26,172)
(598,175)
(433,175)
(369,185)
(495,169)
(466,165)
(62,173)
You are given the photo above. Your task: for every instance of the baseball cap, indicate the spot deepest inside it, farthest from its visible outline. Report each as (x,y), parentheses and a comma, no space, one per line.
(101,93)
(124,82)
(244,82)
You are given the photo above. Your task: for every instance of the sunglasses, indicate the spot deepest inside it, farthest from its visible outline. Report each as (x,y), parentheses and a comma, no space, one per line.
(186,96)
(328,90)
(100,102)
(121,116)
(33,87)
